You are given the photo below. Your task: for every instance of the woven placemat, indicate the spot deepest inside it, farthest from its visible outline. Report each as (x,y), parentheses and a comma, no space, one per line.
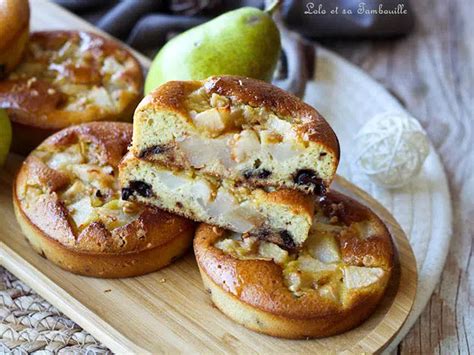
(29,324)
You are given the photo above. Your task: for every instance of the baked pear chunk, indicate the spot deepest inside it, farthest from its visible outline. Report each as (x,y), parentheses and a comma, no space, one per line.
(330,285)
(67,201)
(282,216)
(239,129)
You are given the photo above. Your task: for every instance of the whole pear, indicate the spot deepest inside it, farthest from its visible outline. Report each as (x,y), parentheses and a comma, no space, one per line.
(242,42)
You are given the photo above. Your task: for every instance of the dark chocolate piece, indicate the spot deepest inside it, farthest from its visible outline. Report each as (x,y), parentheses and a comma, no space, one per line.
(309,178)
(282,238)
(156,149)
(141,188)
(126,193)
(260,174)
(264,173)
(287,240)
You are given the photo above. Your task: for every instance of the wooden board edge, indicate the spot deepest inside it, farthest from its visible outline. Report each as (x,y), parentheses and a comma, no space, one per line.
(408,274)
(66,302)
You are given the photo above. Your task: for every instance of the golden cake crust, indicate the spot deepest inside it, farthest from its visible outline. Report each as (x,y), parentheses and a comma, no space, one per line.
(253,292)
(66,78)
(14,30)
(142,244)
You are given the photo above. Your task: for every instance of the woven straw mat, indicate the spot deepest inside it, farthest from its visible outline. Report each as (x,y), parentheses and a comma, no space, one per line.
(29,324)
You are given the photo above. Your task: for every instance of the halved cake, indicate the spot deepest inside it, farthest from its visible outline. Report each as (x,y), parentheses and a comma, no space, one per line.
(282,216)
(67,202)
(330,285)
(237,128)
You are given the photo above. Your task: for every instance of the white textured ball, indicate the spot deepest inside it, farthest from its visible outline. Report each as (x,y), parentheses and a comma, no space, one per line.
(391,148)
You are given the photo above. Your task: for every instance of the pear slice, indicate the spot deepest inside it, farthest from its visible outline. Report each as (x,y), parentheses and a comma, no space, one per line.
(214,121)
(273,252)
(324,247)
(358,276)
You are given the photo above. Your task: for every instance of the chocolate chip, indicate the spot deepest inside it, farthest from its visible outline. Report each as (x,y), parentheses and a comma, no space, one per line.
(282,238)
(248,174)
(309,178)
(264,173)
(306,177)
(260,174)
(288,242)
(320,189)
(141,188)
(156,149)
(126,193)
(98,194)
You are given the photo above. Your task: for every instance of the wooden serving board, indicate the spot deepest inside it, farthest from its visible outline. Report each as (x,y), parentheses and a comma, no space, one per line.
(169,310)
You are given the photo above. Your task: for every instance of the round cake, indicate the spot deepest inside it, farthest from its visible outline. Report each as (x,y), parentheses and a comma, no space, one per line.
(332,284)
(67,78)
(14,31)
(67,202)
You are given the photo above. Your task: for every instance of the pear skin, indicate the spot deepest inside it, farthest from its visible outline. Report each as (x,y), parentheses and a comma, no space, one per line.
(243,42)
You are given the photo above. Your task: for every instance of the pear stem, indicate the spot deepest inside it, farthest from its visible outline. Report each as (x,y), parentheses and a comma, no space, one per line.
(272,7)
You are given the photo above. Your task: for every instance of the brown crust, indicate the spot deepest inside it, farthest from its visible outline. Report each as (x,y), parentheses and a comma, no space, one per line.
(104,265)
(259,284)
(252,92)
(14,30)
(47,223)
(112,137)
(38,102)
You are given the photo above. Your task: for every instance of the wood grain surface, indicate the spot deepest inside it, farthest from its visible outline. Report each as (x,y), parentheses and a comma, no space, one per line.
(432,73)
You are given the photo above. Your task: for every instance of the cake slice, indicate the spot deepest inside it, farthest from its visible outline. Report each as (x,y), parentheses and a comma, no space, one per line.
(283,217)
(237,128)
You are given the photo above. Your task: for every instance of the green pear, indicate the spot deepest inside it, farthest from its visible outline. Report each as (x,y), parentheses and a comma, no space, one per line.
(242,42)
